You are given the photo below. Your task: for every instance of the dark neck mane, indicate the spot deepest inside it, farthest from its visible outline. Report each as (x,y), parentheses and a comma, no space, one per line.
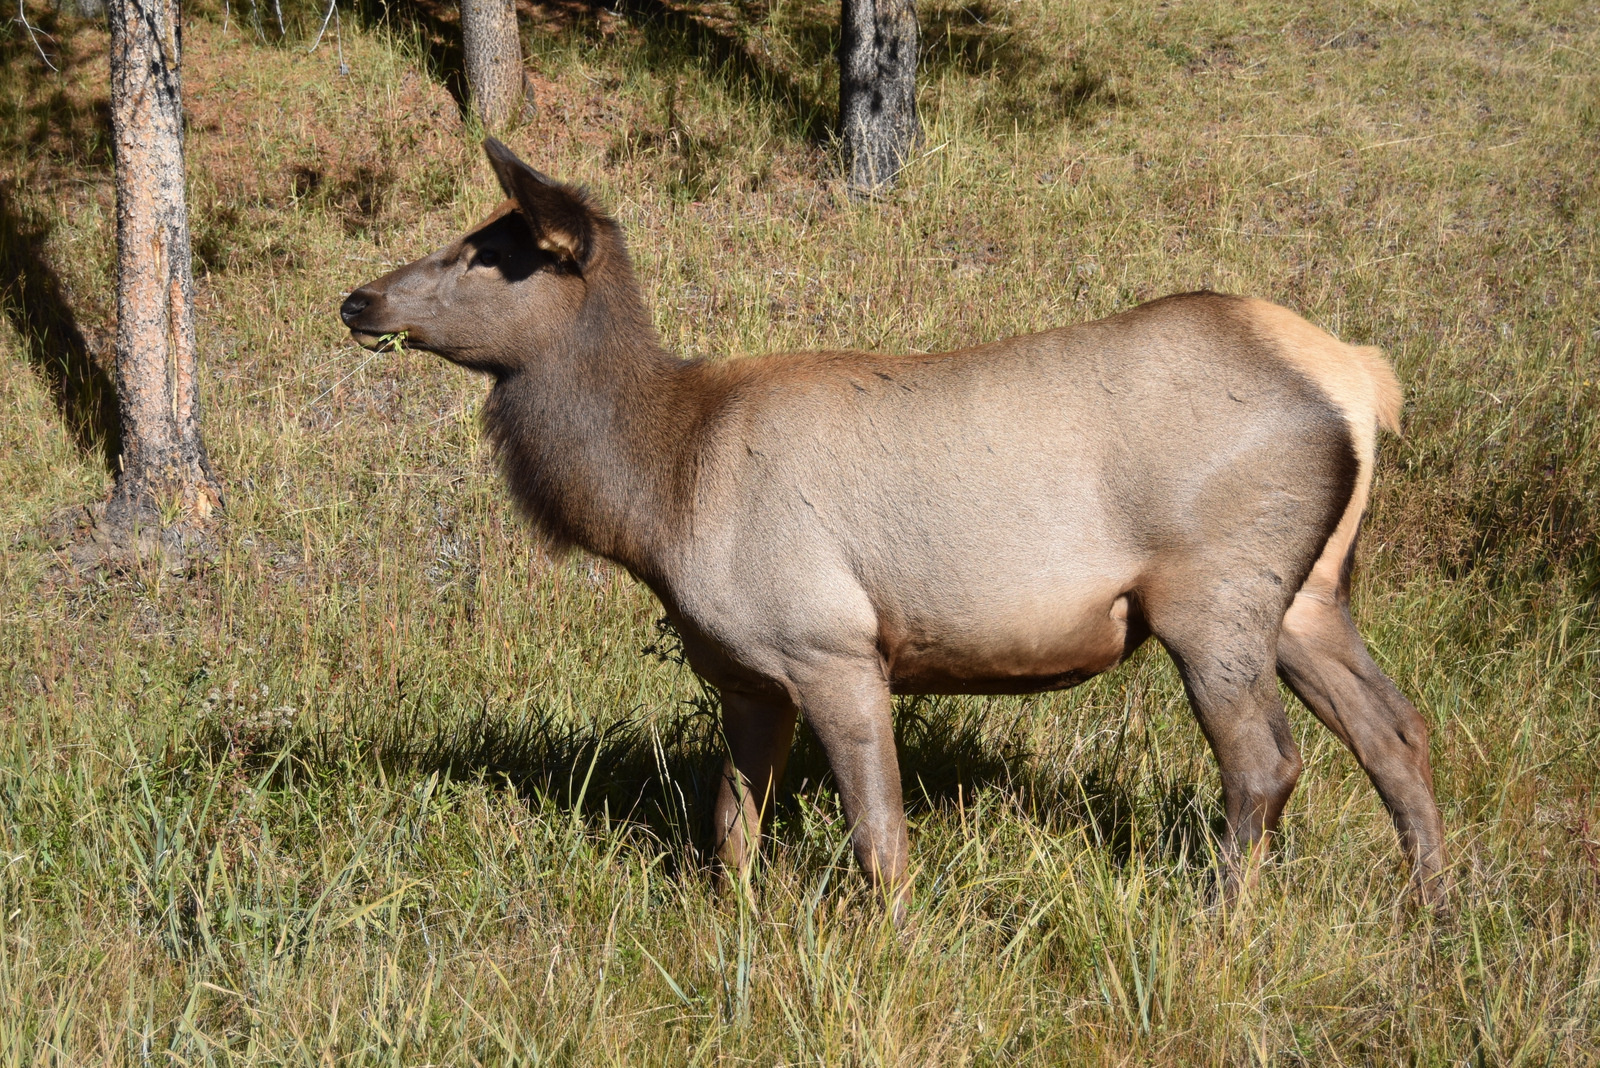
(593,436)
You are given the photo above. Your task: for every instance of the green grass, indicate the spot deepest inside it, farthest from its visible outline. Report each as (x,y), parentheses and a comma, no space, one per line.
(380,782)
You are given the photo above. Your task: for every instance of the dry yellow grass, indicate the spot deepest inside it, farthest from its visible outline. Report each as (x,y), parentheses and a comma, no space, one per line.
(441,809)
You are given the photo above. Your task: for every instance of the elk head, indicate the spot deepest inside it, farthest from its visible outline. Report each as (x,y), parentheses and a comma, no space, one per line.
(510,289)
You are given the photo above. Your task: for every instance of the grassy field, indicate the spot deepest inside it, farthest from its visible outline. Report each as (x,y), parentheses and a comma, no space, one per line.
(379,782)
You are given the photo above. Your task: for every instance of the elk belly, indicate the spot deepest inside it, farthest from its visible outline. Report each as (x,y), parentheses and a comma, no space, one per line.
(1024,652)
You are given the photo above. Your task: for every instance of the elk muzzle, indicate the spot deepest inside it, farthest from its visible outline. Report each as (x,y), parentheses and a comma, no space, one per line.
(355,312)
(353,306)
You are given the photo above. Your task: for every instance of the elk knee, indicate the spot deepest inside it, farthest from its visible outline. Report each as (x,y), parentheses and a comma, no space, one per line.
(1401,736)
(1410,730)
(1290,765)
(1282,775)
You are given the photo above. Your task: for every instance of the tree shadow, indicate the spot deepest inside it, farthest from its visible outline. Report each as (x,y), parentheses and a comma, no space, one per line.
(680,37)
(37,307)
(675,37)
(435,28)
(1027,84)
(976,38)
(51,114)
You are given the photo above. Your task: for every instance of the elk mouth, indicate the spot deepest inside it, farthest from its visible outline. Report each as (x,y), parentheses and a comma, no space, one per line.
(390,341)
(386,340)
(356,310)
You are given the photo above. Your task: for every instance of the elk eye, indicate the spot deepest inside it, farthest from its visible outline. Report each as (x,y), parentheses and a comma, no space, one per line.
(486,258)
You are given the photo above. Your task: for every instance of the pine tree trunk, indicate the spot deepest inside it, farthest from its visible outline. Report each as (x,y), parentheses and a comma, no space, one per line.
(493,54)
(878,89)
(164,472)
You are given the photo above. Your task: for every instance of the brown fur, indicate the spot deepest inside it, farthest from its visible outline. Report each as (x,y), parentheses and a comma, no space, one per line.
(826,529)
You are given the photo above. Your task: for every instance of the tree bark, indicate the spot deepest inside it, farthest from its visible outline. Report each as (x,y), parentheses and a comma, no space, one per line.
(85,9)
(878,89)
(492,51)
(163,471)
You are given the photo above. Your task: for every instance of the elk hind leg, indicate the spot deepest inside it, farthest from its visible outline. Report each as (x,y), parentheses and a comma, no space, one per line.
(1228,674)
(1323,659)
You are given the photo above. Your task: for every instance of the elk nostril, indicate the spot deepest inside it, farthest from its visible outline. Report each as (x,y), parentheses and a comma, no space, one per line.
(353,305)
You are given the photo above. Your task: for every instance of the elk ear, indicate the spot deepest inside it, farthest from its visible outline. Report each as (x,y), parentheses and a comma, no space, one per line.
(558,215)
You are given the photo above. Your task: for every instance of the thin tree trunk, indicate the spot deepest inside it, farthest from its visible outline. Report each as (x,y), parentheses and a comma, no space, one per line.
(163,472)
(493,54)
(878,89)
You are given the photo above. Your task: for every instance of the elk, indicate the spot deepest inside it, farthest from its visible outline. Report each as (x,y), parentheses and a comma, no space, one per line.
(827,529)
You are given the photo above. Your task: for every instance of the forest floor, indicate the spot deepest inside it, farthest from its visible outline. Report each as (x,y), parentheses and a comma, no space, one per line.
(377,780)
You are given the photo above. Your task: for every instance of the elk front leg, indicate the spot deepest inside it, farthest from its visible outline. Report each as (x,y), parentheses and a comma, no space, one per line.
(847,704)
(759,734)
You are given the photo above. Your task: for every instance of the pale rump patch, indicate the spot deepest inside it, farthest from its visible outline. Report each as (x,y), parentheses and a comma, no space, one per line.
(1362,385)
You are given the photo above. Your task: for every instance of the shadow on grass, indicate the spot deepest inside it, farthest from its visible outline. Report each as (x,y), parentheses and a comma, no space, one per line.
(52,131)
(435,25)
(676,38)
(36,305)
(1028,84)
(49,113)
(974,38)
(662,773)
(679,38)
